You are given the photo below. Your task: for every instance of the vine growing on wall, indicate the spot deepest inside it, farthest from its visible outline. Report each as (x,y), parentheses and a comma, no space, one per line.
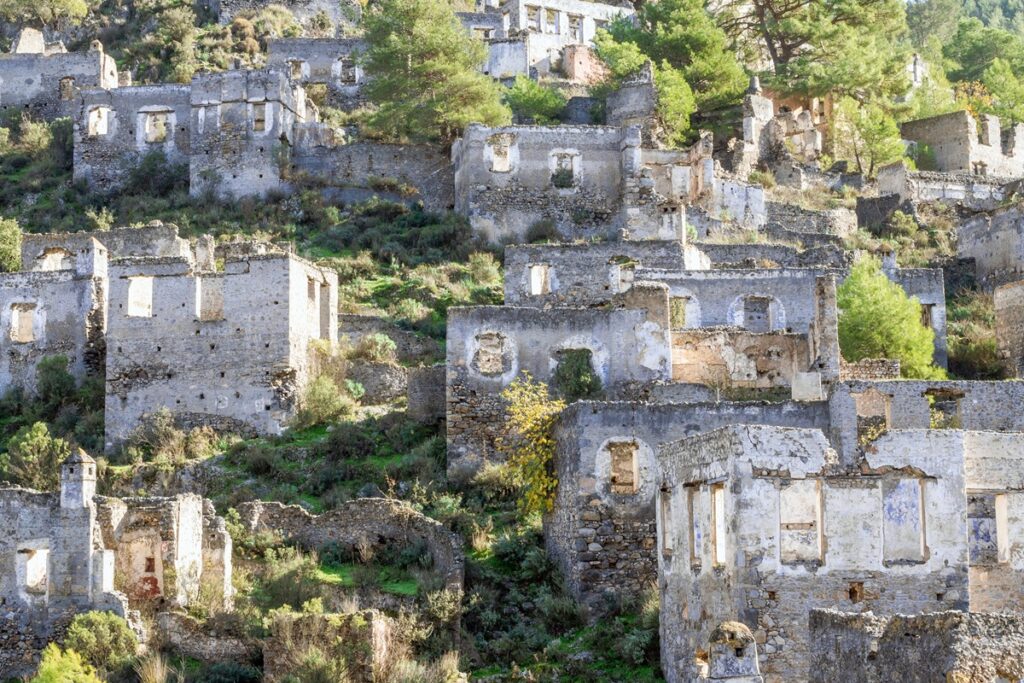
(528,441)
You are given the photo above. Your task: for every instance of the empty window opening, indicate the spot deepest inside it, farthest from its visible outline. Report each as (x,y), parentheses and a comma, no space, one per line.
(155,126)
(625,467)
(856,591)
(347,70)
(33,568)
(490,353)
(944,406)
(140,296)
(987,532)
(718,525)
(481,33)
(325,311)
(150,565)
(540,282)
(800,522)
(295,68)
(677,312)
(533,18)
(23,317)
(576,28)
(926,315)
(55,258)
(873,414)
(501,153)
(564,173)
(903,527)
(757,314)
(666,521)
(99,121)
(210,298)
(259,117)
(67,88)
(550,21)
(694,526)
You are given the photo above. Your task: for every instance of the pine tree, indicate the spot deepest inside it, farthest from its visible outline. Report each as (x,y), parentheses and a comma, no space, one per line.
(423,72)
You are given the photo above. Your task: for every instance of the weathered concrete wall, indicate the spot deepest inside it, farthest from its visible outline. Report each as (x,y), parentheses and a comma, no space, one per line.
(60,311)
(45,86)
(603,540)
(245,331)
(489,346)
(364,520)
(755,523)
(960,144)
(1009,306)
(329,61)
(402,172)
(115,129)
(995,240)
(942,646)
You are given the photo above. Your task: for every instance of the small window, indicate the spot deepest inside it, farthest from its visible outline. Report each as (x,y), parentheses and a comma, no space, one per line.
(347,70)
(325,311)
(756,314)
(99,121)
(540,283)
(550,21)
(150,565)
(533,18)
(625,468)
(695,533)
(34,569)
(564,174)
(259,117)
(500,147)
(490,354)
(926,315)
(210,298)
(988,534)
(873,410)
(799,521)
(140,296)
(481,33)
(576,28)
(665,506)
(156,125)
(295,69)
(718,553)
(944,408)
(903,528)
(67,88)
(23,318)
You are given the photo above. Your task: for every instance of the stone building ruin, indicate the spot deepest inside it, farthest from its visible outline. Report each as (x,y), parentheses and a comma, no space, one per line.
(959,144)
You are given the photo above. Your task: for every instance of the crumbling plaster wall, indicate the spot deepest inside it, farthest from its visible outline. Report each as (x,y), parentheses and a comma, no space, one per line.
(737,358)
(947,646)
(603,542)
(895,540)
(247,365)
(111,136)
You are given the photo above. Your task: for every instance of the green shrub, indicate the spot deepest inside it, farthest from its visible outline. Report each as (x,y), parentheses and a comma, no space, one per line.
(55,386)
(376,348)
(563,178)
(10,245)
(574,376)
(542,231)
(316,666)
(532,102)
(230,672)
(322,403)
(765,179)
(63,666)
(902,224)
(106,639)
(34,457)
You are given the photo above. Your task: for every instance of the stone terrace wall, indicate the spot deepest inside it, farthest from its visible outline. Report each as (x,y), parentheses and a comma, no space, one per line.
(1009,305)
(582,274)
(364,519)
(869,369)
(838,222)
(426,394)
(604,542)
(780,255)
(995,240)
(942,646)
(364,169)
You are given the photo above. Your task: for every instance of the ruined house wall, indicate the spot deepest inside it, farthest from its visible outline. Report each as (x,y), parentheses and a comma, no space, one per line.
(960,144)
(995,240)
(635,101)
(982,408)
(774,256)
(603,542)
(330,61)
(26,520)
(363,169)
(503,204)
(156,239)
(928,285)
(737,358)
(974,192)
(111,134)
(581,274)
(35,83)
(373,520)
(792,534)
(55,312)
(247,118)
(1009,305)
(248,359)
(949,646)
(489,346)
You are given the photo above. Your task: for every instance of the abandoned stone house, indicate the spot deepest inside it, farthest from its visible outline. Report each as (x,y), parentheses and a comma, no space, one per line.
(761,524)
(43,79)
(71,551)
(331,62)
(960,145)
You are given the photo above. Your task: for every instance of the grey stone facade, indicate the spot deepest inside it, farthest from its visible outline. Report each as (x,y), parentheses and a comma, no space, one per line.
(961,145)
(333,62)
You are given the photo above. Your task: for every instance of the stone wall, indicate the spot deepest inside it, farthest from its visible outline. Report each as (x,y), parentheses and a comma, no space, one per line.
(116,129)
(960,144)
(757,524)
(54,251)
(1009,306)
(603,541)
(364,640)
(374,520)
(995,240)
(329,61)
(870,369)
(839,222)
(60,311)
(245,331)
(45,86)
(947,646)
(489,346)
(726,357)
(357,171)
(973,192)
(382,382)
(747,256)
(188,637)
(426,394)
(410,347)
